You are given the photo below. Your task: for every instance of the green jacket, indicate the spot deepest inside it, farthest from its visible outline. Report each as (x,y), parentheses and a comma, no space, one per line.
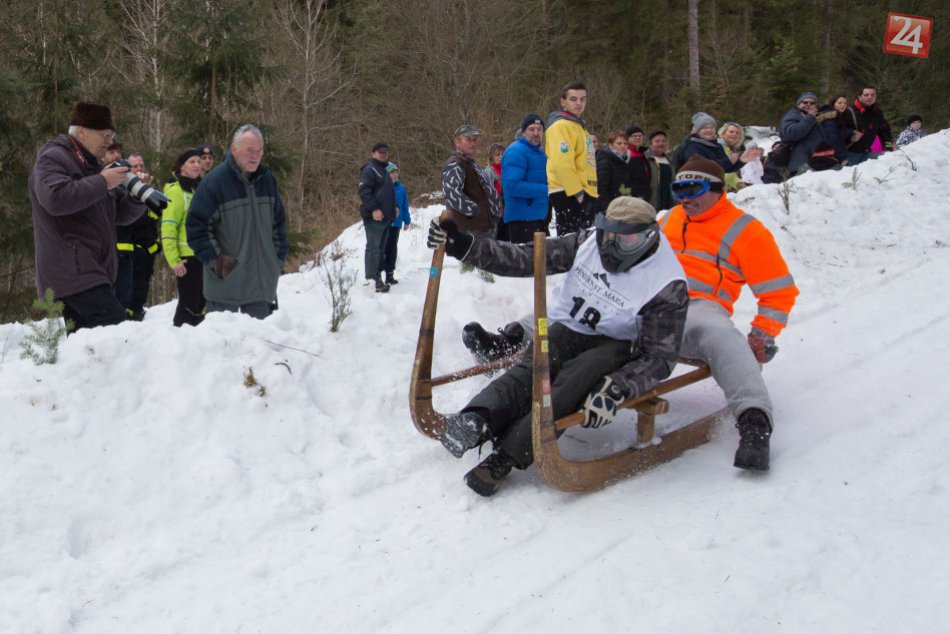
(174,238)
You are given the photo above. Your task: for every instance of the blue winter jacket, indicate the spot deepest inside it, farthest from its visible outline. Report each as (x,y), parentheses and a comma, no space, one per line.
(242,216)
(524,181)
(402,205)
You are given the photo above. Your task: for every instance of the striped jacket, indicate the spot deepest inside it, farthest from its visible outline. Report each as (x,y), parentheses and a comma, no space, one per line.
(723,248)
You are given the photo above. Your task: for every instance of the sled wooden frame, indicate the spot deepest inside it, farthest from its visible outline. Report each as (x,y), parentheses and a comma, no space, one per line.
(561,473)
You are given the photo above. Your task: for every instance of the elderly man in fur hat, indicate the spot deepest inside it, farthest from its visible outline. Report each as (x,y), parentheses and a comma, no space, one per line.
(617,319)
(77,204)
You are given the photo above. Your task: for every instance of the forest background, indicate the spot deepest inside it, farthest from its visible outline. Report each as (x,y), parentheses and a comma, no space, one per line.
(324,79)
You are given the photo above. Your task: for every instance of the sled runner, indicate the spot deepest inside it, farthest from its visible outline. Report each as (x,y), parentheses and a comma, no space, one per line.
(649,451)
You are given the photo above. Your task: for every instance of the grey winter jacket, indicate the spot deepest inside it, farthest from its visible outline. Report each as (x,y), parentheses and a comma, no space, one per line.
(240,215)
(664,316)
(75,218)
(802,132)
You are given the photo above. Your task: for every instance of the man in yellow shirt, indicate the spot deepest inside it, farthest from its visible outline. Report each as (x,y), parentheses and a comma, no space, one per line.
(571,168)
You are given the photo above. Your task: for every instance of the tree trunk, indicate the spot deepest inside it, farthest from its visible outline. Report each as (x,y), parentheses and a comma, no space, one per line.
(693,44)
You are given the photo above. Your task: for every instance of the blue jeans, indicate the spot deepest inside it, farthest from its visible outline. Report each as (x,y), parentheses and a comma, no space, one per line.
(855,158)
(374,260)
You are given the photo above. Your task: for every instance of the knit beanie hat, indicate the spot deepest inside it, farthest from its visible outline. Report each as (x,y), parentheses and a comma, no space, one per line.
(92,116)
(701,169)
(702,119)
(914,117)
(184,156)
(630,210)
(392,167)
(806,95)
(531,119)
(632,129)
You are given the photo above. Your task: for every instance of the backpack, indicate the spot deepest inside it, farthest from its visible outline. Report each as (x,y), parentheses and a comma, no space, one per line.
(775,165)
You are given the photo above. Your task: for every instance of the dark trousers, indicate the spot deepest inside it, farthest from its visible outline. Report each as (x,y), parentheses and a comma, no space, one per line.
(143,265)
(374,260)
(191,301)
(577,363)
(123,278)
(257,310)
(571,216)
(522,231)
(97,306)
(391,250)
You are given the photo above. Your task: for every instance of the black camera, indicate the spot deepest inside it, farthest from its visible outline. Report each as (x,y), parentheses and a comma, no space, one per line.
(140,190)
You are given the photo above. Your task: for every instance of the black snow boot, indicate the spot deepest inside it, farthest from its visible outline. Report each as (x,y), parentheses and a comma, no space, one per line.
(487,346)
(488,476)
(390,280)
(464,431)
(381,287)
(754,432)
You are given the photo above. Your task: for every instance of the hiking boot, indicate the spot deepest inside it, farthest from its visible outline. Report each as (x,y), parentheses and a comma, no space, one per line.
(487,346)
(381,287)
(390,279)
(488,476)
(754,432)
(464,431)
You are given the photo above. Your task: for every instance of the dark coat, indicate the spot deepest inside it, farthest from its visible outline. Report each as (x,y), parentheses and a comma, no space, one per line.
(240,215)
(376,191)
(74,219)
(872,123)
(616,177)
(709,150)
(802,133)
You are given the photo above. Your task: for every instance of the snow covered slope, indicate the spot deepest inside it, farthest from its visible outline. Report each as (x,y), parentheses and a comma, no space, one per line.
(144,487)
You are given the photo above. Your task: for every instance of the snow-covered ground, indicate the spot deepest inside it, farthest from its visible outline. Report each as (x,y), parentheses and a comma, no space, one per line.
(146,487)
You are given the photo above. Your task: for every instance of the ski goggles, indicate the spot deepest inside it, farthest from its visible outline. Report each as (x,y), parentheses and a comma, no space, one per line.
(693,188)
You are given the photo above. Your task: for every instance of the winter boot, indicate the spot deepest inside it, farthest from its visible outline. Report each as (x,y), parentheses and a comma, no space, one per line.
(754,432)
(488,476)
(390,280)
(381,287)
(489,347)
(464,431)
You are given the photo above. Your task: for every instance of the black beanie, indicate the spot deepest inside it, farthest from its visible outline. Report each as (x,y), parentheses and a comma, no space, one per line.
(530,120)
(914,117)
(184,156)
(631,129)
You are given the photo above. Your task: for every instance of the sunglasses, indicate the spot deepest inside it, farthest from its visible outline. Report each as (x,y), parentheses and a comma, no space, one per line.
(808,102)
(689,188)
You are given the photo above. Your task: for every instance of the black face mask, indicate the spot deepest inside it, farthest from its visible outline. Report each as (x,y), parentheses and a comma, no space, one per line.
(619,253)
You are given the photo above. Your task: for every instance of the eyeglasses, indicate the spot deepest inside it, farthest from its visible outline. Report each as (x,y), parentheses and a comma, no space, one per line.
(689,188)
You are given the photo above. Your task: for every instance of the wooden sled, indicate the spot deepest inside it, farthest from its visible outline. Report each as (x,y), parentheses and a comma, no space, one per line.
(561,473)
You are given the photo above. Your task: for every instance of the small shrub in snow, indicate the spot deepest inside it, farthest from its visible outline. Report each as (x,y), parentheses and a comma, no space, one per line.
(339,281)
(41,345)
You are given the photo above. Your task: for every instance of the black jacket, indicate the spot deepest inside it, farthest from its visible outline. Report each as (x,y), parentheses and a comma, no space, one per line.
(869,120)
(616,177)
(376,191)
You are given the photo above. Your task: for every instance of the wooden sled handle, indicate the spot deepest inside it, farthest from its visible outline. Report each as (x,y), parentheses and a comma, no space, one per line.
(424,416)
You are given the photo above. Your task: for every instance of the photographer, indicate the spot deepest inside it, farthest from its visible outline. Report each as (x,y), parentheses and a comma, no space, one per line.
(77,204)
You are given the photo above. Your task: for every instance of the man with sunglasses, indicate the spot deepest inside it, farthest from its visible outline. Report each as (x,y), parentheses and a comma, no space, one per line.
(722,248)
(799,129)
(616,318)
(77,204)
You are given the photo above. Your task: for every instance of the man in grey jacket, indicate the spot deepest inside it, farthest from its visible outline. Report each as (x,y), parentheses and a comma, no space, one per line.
(237,227)
(77,204)
(800,130)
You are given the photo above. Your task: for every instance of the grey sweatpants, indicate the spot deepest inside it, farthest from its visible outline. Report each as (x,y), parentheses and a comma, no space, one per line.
(712,337)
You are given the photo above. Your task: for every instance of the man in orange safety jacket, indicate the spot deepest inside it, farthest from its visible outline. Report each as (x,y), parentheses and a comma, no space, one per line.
(721,248)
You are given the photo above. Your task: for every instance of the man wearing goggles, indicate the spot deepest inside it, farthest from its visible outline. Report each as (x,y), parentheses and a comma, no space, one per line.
(616,318)
(721,248)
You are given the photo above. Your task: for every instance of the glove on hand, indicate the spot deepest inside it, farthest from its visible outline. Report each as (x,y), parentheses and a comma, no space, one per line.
(223,265)
(762,345)
(446,232)
(601,404)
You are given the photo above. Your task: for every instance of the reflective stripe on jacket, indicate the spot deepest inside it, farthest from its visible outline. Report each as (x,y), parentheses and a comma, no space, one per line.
(723,248)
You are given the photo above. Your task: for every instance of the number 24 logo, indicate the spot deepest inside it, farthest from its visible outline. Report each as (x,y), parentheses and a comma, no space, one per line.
(907,35)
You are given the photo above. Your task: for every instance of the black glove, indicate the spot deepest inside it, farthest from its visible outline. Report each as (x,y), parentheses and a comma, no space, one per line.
(601,404)
(446,232)
(762,345)
(223,265)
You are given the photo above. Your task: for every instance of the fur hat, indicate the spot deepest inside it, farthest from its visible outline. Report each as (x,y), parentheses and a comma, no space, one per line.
(701,169)
(184,156)
(701,120)
(630,210)
(530,120)
(92,116)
